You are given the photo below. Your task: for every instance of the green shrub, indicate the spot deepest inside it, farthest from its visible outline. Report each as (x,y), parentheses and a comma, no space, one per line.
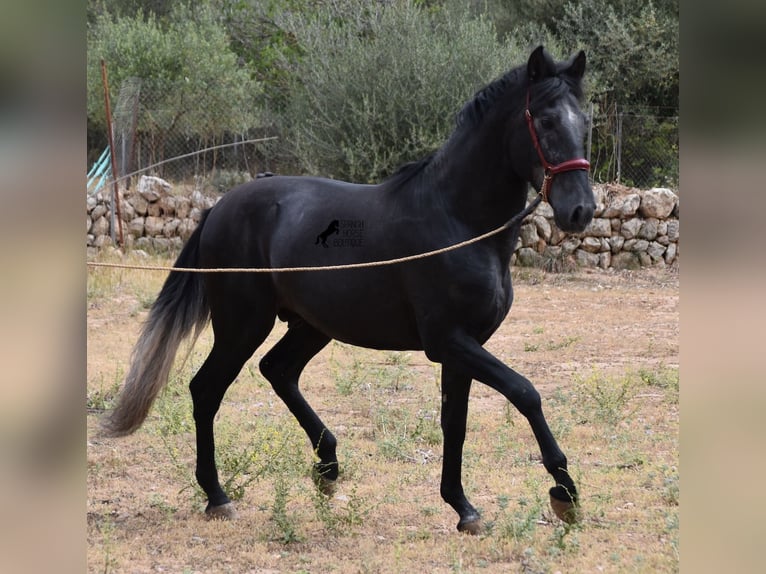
(380,85)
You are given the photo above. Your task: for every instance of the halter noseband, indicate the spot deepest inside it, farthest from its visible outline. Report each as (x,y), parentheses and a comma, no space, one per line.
(551,170)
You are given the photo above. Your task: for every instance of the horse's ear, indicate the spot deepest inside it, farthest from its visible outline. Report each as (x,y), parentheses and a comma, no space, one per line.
(577,67)
(540,65)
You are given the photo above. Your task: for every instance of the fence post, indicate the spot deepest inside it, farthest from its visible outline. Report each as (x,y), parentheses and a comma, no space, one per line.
(115,192)
(590,133)
(619,145)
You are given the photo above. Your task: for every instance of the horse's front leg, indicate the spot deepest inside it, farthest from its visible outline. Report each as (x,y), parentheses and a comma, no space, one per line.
(467,356)
(455,390)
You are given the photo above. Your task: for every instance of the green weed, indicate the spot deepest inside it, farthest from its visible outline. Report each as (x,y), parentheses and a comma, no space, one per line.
(102,398)
(607,397)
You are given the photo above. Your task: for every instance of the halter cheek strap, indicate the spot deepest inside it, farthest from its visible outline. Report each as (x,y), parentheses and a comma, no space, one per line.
(551,170)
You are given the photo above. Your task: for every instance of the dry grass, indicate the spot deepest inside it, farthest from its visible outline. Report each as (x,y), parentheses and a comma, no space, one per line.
(602,348)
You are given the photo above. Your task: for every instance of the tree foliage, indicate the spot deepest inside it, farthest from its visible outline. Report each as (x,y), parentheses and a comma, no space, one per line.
(354,88)
(181,61)
(379,86)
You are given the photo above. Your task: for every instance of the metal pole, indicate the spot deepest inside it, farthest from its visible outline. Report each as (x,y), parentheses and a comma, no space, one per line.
(590,133)
(619,146)
(115,194)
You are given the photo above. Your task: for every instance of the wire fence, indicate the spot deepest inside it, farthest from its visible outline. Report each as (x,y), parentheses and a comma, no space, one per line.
(636,147)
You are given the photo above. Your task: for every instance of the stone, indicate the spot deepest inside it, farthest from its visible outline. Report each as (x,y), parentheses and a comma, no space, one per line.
(662,228)
(161,244)
(598,227)
(127,211)
(605,260)
(655,250)
(557,236)
(138,203)
(527,257)
(625,260)
(644,259)
(657,202)
(89,223)
(591,244)
(170,228)
(151,188)
(648,229)
(570,244)
(98,211)
(136,227)
(599,195)
(102,241)
(186,228)
(198,200)
(543,227)
(616,242)
(167,205)
(663,240)
(90,203)
(621,205)
(640,246)
(586,259)
(528,235)
(154,209)
(616,224)
(630,228)
(183,207)
(100,227)
(673,229)
(545,210)
(144,243)
(195,214)
(153,226)
(670,253)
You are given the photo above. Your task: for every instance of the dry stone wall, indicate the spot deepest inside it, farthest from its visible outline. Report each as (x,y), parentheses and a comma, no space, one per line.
(631,228)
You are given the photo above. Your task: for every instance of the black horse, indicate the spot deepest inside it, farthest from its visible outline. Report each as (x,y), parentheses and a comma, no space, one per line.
(524,127)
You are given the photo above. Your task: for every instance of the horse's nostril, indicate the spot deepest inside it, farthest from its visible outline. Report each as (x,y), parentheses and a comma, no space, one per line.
(577,215)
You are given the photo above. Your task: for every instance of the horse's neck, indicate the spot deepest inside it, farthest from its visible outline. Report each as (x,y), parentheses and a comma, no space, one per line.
(475,183)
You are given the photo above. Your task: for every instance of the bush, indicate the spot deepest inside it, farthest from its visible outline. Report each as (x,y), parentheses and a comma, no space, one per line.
(380,85)
(181,62)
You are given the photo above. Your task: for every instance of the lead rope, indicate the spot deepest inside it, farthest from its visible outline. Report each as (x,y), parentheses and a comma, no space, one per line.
(507,225)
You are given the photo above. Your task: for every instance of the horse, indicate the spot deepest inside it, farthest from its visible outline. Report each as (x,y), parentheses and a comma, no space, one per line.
(526,127)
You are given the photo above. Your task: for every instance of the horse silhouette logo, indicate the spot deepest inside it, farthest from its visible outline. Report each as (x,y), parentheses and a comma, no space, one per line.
(332,229)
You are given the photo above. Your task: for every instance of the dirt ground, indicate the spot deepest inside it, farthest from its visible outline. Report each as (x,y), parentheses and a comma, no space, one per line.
(563,328)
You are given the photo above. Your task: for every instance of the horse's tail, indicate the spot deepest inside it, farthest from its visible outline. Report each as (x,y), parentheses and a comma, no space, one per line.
(180,308)
(318,238)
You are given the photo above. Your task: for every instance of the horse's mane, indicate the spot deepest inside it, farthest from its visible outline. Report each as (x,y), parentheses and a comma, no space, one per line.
(491,95)
(407,171)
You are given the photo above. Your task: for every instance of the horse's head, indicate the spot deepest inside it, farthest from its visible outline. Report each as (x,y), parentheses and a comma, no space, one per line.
(549,147)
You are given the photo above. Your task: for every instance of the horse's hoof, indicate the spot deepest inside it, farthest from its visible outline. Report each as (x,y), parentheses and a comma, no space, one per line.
(325,485)
(221,512)
(320,474)
(472,526)
(564,507)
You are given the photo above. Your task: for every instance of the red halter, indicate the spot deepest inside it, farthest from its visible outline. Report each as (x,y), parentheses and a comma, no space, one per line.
(551,170)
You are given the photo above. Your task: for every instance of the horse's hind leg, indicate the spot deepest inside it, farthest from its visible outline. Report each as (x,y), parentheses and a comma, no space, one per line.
(237,336)
(282,366)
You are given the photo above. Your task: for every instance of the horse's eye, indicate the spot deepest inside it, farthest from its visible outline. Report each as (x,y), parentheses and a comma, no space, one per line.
(547,123)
